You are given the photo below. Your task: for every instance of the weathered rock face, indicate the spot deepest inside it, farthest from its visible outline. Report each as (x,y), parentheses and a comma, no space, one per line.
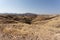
(18,27)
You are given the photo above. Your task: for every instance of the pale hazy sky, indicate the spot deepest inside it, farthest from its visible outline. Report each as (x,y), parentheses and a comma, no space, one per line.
(33,6)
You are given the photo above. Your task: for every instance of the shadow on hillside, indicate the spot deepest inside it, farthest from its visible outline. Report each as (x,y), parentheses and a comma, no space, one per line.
(17,18)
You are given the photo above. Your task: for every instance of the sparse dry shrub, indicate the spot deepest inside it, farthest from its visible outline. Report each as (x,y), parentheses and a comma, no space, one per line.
(18,28)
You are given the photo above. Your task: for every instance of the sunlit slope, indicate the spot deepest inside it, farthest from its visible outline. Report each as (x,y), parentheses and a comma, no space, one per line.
(51,29)
(46,27)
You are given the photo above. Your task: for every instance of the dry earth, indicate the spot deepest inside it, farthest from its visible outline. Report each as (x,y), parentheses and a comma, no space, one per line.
(29,27)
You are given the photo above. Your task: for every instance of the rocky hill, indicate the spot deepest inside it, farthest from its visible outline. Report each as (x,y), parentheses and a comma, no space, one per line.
(29,27)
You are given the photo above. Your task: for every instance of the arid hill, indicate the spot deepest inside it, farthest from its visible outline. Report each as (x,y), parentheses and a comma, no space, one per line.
(29,27)
(16,18)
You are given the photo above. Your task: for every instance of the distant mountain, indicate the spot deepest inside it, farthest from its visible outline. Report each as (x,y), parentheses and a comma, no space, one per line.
(29,14)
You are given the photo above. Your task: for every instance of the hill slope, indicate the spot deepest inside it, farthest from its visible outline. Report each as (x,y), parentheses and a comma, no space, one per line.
(41,27)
